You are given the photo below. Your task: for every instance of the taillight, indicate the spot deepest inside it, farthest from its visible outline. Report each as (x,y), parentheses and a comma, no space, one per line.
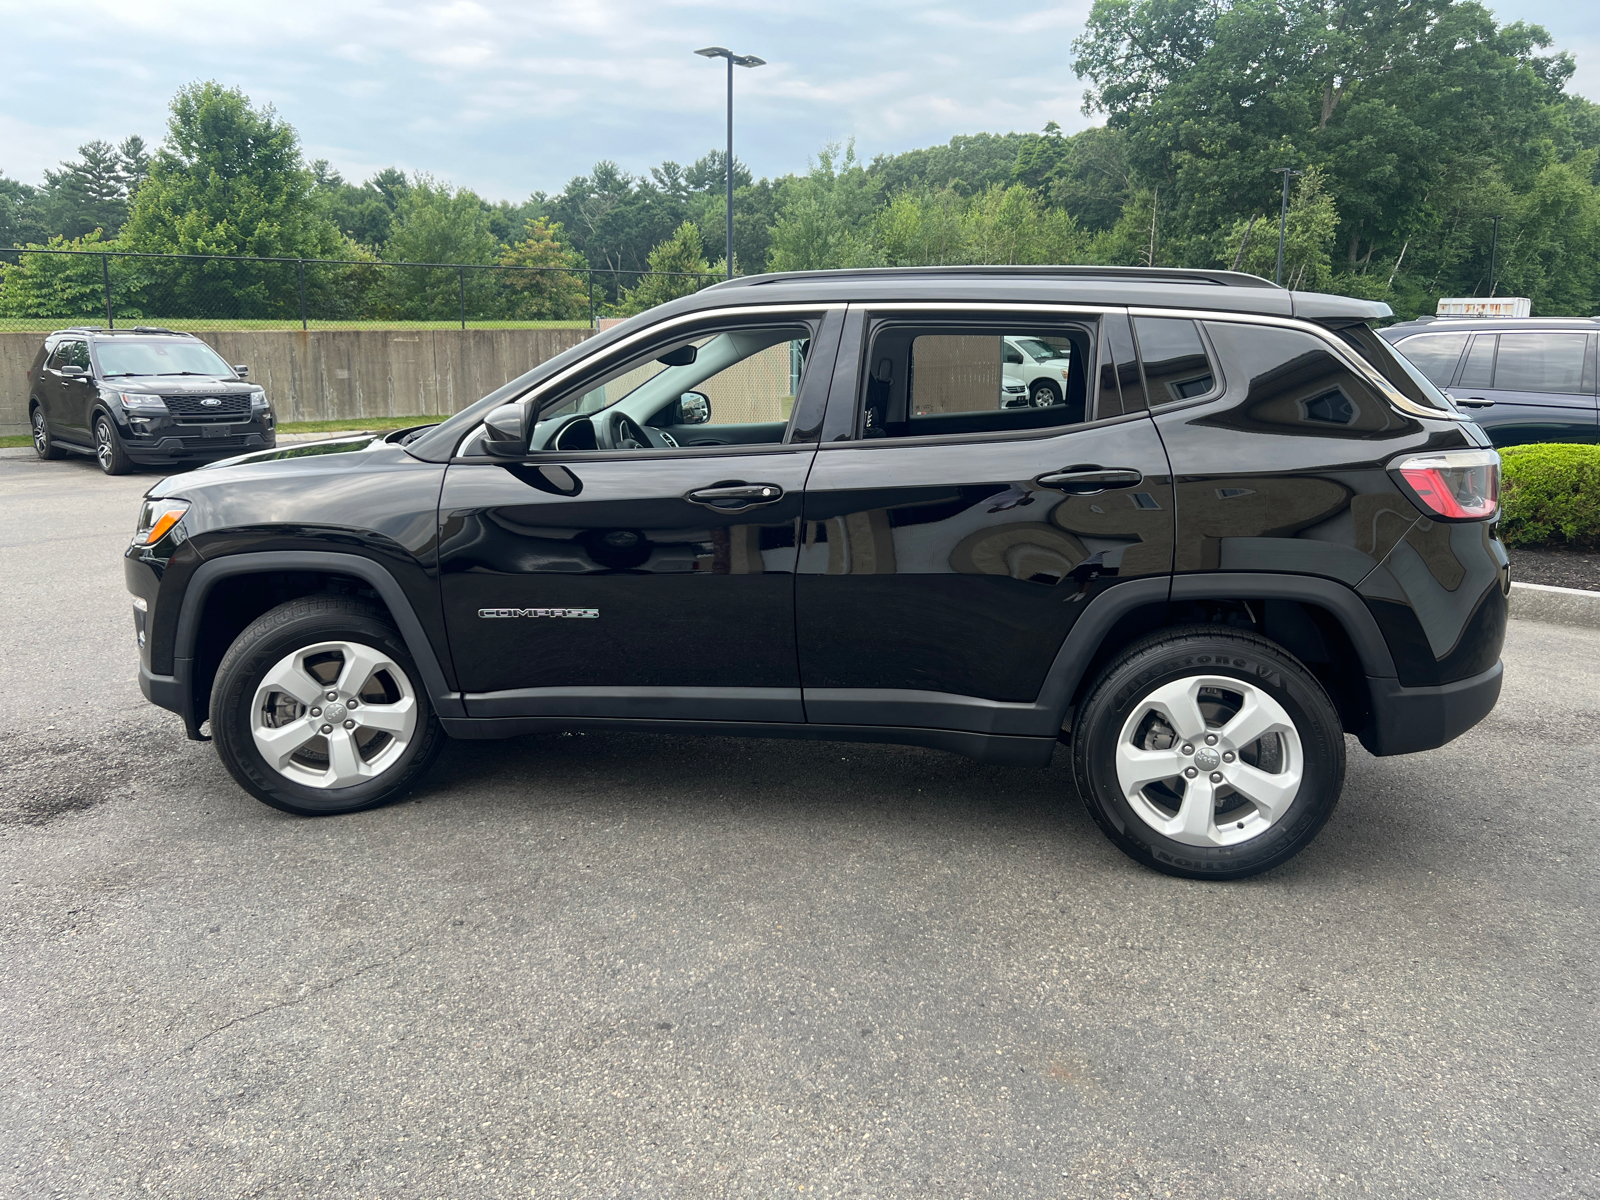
(1454,485)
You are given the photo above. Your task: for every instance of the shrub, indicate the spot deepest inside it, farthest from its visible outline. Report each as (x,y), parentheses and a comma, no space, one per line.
(1550,495)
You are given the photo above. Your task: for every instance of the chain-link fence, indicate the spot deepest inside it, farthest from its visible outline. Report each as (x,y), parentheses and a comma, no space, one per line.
(43,289)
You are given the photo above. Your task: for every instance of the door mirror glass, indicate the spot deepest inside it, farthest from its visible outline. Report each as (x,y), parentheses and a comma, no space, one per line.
(694,408)
(681,357)
(505,431)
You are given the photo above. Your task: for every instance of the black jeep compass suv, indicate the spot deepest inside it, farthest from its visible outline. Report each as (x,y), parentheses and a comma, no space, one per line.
(145,395)
(799,506)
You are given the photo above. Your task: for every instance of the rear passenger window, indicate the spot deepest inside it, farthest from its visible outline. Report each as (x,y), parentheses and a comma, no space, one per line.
(1175,362)
(1540,362)
(1478,370)
(925,381)
(1435,355)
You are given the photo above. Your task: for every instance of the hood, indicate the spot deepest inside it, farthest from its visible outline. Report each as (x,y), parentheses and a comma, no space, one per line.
(179,385)
(335,452)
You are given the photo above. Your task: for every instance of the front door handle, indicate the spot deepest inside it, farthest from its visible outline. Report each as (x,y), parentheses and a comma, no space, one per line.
(1473,402)
(736,497)
(1090,481)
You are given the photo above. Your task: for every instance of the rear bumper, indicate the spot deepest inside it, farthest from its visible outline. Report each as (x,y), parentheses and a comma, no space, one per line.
(1408,719)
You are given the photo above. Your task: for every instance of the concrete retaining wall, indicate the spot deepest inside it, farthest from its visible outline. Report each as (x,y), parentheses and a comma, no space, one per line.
(337,374)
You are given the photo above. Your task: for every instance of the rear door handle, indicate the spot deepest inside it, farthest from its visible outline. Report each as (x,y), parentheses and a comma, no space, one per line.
(736,497)
(1089,481)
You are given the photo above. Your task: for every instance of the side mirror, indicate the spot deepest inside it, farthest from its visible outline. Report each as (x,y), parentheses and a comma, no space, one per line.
(694,408)
(506,431)
(681,357)
(74,371)
(242,371)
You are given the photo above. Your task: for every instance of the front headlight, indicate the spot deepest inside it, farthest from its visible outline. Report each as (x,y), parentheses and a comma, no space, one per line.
(156,519)
(258,400)
(137,404)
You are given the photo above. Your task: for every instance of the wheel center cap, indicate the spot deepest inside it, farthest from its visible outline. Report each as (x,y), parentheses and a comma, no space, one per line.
(334,712)
(1207,759)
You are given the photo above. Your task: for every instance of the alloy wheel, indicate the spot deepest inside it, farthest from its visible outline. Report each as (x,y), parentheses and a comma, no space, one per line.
(105,450)
(333,714)
(1209,760)
(41,436)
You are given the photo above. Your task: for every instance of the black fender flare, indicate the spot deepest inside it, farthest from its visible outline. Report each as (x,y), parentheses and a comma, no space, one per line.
(446,703)
(1067,671)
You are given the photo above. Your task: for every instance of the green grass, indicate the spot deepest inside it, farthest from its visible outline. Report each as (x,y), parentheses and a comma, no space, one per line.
(205,324)
(9,443)
(355,423)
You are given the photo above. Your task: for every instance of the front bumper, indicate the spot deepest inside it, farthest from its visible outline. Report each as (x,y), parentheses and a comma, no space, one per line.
(197,448)
(173,693)
(1405,720)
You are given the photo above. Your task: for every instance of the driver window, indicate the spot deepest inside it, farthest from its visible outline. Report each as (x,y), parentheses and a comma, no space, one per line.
(738,388)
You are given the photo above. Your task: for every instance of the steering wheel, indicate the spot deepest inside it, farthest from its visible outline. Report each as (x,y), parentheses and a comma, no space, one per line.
(617,431)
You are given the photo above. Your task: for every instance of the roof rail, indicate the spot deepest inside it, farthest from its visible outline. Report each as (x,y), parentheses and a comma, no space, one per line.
(1127,274)
(82,329)
(152,329)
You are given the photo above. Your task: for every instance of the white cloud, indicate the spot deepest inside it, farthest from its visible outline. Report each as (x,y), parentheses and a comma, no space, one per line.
(506,95)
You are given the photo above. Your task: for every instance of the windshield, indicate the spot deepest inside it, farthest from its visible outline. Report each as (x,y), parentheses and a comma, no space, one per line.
(1401,373)
(167,357)
(1041,351)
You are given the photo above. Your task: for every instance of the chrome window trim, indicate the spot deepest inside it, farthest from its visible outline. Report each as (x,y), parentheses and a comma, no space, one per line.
(1351,359)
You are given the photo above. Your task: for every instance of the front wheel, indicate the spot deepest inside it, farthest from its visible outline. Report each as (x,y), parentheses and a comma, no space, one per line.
(317,709)
(108,451)
(1208,753)
(1044,394)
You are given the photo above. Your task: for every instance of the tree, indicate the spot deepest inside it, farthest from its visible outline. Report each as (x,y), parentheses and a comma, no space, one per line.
(228,180)
(63,287)
(435,223)
(20,219)
(553,293)
(1001,225)
(967,164)
(682,263)
(1309,230)
(823,218)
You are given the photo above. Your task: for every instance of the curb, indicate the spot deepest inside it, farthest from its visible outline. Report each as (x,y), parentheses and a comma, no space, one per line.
(1555,605)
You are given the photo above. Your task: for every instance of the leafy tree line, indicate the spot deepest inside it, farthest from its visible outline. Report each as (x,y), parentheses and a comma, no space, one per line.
(1411,124)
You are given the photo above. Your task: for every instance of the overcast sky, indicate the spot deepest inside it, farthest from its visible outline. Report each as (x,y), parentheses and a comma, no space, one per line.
(508,97)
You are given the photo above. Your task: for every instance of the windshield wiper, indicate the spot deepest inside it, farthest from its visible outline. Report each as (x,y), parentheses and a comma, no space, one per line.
(123,374)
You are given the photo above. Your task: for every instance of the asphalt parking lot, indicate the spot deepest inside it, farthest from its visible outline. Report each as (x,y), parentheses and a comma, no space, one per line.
(626,965)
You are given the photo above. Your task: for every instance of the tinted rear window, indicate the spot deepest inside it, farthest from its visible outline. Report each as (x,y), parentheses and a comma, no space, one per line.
(1540,362)
(1435,354)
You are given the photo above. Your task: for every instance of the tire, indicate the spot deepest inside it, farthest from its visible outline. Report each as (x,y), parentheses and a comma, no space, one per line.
(1043,394)
(43,444)
(108,451)
(280,671)
(1210,678)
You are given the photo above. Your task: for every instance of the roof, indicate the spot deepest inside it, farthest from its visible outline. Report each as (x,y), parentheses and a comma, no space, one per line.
(102,331)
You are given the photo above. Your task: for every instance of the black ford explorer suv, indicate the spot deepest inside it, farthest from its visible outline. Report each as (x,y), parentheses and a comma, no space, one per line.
(1522,379)
(798,506)
(144,395)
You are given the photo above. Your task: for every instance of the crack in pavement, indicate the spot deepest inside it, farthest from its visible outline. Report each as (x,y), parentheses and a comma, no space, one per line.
(301,999)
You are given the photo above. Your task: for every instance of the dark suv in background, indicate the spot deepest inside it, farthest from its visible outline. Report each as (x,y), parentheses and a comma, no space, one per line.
(144,395)
(1523,379)
(799,506)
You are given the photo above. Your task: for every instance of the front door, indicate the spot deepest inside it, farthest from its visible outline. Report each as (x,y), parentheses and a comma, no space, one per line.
(68,395)
(1541,386)
(639,562)
(952,537)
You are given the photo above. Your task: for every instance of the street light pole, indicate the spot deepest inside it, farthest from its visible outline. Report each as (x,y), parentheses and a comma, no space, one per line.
(1494,246)
(742,60)
(1283,220)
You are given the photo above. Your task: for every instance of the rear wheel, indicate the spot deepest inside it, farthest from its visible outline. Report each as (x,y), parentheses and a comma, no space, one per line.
(318,709)
(43,444)
(108,451)
(1208,753)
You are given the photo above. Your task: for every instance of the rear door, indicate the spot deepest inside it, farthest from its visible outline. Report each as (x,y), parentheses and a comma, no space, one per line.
(950,542)
(1541,384)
